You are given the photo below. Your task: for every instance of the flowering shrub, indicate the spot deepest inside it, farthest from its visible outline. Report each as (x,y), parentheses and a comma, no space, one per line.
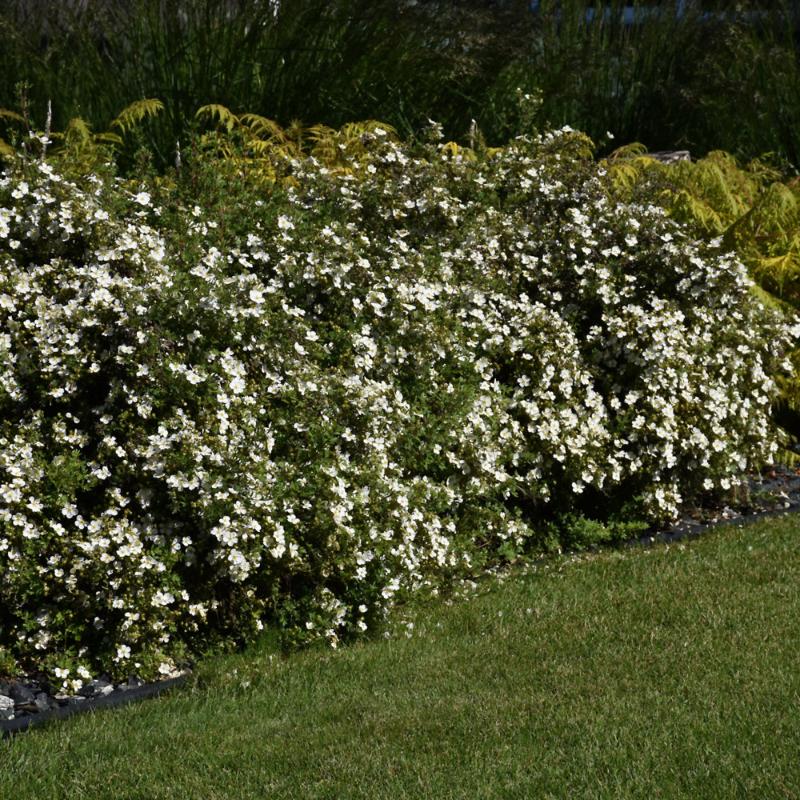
(295,408)
(753,210)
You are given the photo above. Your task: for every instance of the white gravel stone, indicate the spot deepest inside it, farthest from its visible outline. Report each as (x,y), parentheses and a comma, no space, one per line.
(6,707)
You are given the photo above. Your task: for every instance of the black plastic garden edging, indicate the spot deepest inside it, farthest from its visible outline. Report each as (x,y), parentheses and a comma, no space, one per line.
(688,530)
(118,697)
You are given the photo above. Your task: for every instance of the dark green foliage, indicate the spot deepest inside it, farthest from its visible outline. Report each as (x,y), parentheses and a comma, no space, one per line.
(313,60)
(577,532)
(668,81)
(709,78)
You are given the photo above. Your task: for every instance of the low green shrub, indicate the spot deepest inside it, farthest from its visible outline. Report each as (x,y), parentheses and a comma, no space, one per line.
(225,405)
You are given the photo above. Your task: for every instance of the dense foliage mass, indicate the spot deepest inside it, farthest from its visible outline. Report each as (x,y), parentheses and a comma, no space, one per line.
(291,406)
(701,74)
(751,209)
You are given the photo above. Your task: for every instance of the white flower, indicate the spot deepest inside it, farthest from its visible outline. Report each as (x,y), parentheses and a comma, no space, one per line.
(162,598)
(194,377)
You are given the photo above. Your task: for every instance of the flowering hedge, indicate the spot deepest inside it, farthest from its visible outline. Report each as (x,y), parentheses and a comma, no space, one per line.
(293,408)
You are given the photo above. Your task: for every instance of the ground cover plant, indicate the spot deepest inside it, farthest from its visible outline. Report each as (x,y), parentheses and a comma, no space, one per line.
(670,672)
(291,397)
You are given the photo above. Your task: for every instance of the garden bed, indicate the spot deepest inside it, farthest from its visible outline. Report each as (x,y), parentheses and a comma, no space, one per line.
(390,372)
(775,492)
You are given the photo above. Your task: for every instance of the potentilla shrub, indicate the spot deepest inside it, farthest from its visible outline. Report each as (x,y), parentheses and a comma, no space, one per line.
(296,406)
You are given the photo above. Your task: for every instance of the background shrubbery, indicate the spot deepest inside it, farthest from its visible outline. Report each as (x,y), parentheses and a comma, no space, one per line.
(276,390)
(708,79)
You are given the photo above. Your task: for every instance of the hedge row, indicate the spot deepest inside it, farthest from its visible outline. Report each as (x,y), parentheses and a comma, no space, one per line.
(292,407)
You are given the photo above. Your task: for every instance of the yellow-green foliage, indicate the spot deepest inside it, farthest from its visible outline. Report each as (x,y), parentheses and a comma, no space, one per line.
(134,114)
(263,146)
(77,147)
(754,212)
(750,208)
(9,117)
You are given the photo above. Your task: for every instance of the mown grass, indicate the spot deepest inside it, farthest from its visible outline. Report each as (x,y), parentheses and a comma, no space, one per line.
(666,672)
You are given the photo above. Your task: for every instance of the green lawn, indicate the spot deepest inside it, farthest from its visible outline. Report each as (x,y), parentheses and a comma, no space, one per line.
(660,673)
